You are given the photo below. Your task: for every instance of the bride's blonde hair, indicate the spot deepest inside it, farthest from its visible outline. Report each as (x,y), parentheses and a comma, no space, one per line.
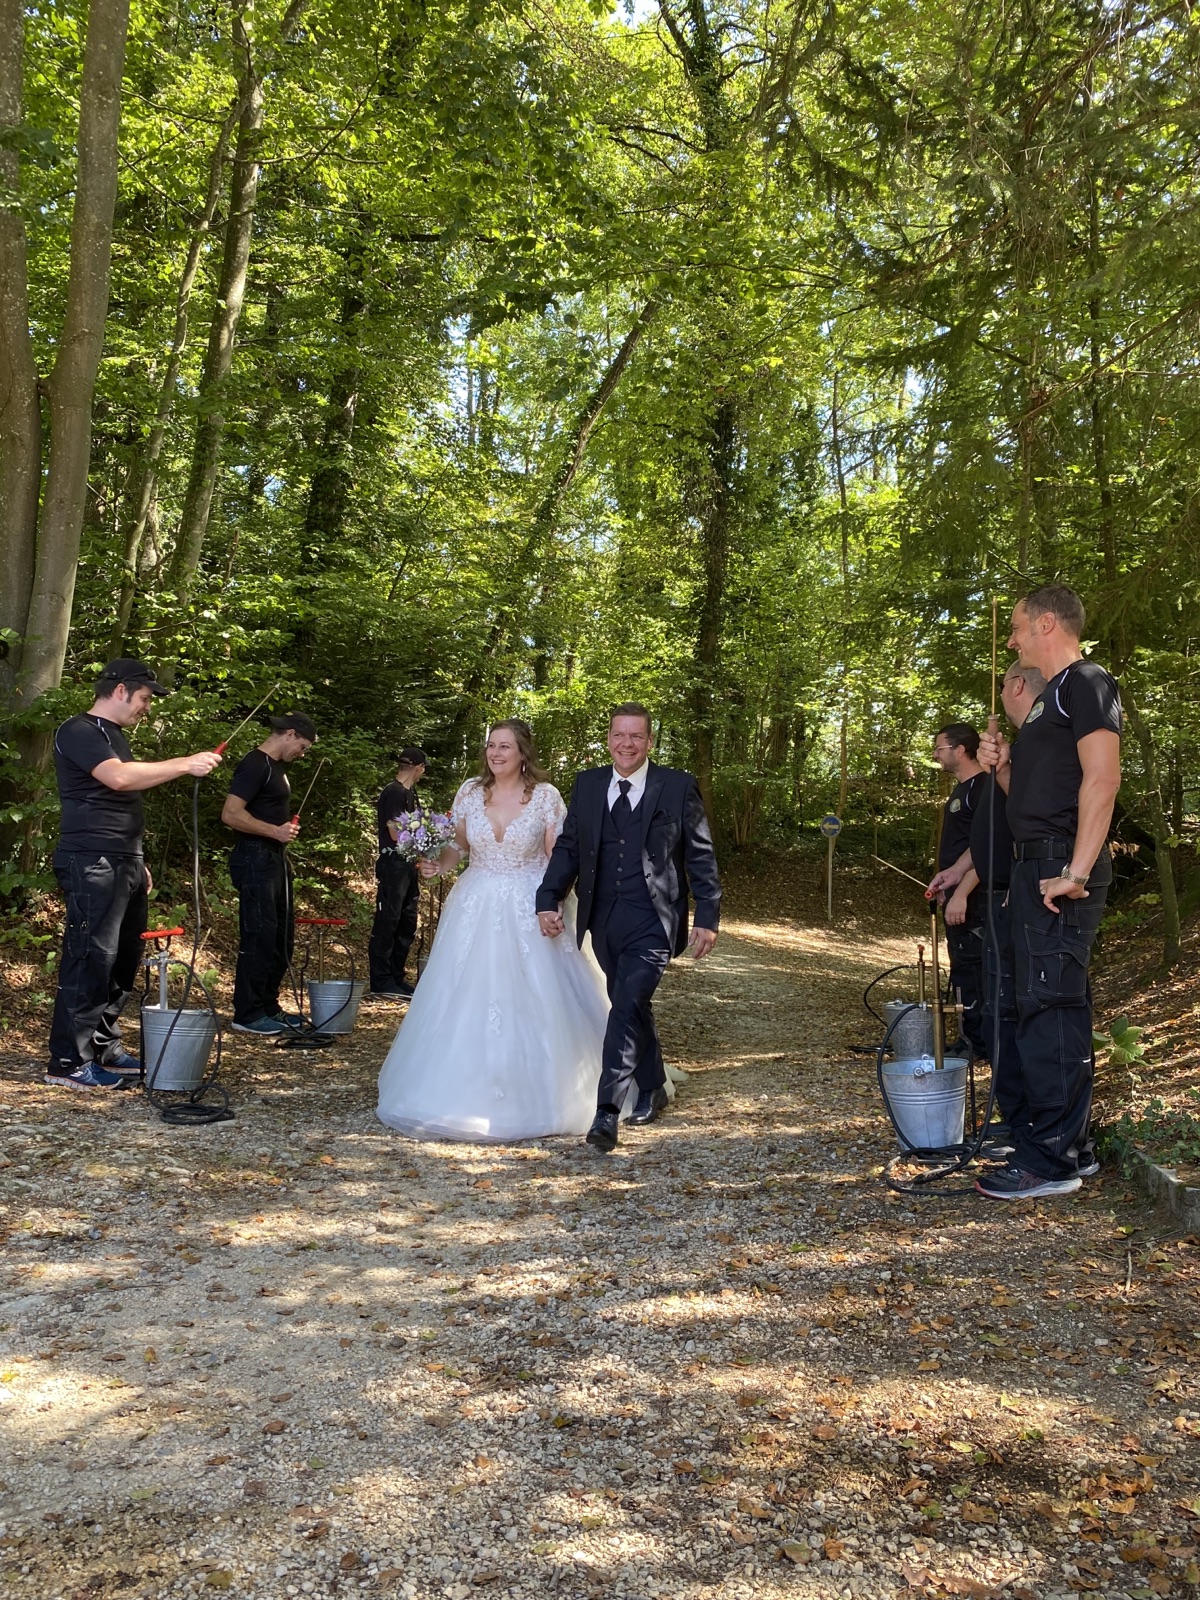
(532,771)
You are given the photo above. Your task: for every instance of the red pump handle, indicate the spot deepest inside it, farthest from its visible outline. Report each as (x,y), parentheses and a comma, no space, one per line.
(321,922)
(162,933)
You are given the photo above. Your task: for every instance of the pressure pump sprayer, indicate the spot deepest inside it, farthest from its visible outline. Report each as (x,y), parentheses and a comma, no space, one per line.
(956,1157)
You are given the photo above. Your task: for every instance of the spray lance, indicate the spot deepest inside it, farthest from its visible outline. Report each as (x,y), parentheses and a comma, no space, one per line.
(229,738)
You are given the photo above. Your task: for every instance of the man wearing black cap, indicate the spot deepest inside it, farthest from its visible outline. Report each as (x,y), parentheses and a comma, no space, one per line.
(99,867)
(258,808)
(399,887)
(954,750)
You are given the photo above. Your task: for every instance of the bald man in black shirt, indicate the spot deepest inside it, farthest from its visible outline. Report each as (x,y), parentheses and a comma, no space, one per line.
(1061,777)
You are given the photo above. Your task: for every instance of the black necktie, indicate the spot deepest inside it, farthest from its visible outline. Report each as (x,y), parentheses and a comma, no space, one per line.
(622,811)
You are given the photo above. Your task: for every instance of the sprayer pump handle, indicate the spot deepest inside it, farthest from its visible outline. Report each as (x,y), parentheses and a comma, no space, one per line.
(162,933)
(320,922)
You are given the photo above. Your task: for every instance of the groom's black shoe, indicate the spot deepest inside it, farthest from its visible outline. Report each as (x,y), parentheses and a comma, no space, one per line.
(603,1132)
(651,1104)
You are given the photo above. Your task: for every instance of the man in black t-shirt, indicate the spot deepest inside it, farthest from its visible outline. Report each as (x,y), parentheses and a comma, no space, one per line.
(99,867)
(258,809)
(1061,777)
(398,886)
(954,750)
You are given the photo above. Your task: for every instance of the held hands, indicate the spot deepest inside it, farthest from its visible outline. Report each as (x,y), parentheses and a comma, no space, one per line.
(201,764)
(701,942)
(993,752)
(429,869)
(1055,889)
(551,923)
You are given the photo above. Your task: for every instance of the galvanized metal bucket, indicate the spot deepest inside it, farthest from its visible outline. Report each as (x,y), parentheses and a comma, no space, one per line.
(175,1057)
(913,1033)
(930,1107)
(333,1004)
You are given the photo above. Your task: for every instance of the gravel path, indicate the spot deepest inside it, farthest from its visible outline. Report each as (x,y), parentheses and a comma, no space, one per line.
(295,1354)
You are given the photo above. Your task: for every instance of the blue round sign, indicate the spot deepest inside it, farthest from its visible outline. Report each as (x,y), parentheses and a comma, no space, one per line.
(831,826)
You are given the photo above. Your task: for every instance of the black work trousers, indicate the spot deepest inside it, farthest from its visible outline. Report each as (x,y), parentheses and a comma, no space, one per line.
(964,951)
(262,876)
(1051,951)
(630,944)
(998,959)
(397,896)
(106,917)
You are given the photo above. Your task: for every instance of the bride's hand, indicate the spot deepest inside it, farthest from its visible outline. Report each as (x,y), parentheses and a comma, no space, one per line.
(429,869)
(551,923)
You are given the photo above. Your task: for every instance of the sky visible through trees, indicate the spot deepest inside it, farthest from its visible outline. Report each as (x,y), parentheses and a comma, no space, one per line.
(491,358)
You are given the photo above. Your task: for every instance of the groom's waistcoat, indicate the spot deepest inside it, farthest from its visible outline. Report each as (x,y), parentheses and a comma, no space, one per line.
(619,871)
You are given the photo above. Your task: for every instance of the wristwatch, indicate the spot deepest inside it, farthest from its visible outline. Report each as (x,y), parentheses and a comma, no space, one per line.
(1072,877)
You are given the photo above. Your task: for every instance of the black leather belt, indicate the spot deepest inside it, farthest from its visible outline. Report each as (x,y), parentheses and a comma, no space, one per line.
(1044,850)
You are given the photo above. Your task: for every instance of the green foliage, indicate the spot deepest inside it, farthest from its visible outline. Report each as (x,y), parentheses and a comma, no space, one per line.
(924,333)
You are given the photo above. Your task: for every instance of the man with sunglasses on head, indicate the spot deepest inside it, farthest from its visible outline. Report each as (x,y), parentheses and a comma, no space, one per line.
(101,871)
(258,808)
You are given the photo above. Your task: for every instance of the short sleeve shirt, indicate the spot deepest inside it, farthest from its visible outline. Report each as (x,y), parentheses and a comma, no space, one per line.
(1043,792)
(991,818)
(394,799)
(95,818)
(956,820)
(263,784)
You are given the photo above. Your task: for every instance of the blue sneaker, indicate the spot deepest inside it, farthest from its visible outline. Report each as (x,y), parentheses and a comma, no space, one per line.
(261,1025)
(87,1077)
(122,1063)
(290,1019)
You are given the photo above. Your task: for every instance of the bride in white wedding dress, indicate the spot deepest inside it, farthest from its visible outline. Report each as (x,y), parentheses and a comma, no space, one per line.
(502,1039)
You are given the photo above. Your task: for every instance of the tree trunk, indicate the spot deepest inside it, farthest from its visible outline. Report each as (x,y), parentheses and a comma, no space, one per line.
(147,483)
(72,381)
(329,491)
(714,536)
(20,410)
(1159,827)
(218,360)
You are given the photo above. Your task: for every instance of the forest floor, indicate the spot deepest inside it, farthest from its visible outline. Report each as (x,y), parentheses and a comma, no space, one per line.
(294,1354)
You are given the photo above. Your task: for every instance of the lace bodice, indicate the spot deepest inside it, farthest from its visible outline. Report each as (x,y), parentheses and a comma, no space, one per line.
(523,846)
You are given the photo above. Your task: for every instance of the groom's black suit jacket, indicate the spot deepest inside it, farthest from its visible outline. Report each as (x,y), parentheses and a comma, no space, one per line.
(677,851)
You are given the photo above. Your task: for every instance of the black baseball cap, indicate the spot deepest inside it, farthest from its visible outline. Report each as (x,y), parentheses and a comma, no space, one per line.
(411,756)
(135,674)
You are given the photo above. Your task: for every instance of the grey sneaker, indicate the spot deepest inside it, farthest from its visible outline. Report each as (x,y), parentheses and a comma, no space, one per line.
(1014,1183)
(262,1025)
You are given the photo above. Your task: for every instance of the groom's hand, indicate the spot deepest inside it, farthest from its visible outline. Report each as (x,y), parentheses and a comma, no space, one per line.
(551,923)
(702,941)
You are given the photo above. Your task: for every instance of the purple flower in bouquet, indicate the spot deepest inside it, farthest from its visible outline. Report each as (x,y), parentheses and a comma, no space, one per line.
(423,835)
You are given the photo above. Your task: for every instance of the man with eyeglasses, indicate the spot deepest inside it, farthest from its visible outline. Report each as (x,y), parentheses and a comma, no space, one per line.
(954,749)
(258,808)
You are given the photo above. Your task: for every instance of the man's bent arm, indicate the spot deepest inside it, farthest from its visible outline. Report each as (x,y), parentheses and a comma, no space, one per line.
(1100,758)
(127,777)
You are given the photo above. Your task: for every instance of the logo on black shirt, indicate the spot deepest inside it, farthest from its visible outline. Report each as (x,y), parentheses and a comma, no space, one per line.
(1035,711)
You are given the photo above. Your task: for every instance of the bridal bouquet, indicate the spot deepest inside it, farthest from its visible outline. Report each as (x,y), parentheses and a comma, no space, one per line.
(422,835)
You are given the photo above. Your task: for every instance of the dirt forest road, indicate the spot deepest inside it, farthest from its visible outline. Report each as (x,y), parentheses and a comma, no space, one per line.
(296,1355)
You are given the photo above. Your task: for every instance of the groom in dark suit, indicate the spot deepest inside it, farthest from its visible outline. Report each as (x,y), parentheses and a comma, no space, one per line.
(634,841)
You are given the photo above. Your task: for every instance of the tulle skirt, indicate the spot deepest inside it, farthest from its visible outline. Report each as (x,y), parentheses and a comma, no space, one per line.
(503,1037)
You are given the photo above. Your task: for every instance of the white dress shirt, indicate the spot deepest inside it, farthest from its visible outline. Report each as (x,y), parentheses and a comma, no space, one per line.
(637,786)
